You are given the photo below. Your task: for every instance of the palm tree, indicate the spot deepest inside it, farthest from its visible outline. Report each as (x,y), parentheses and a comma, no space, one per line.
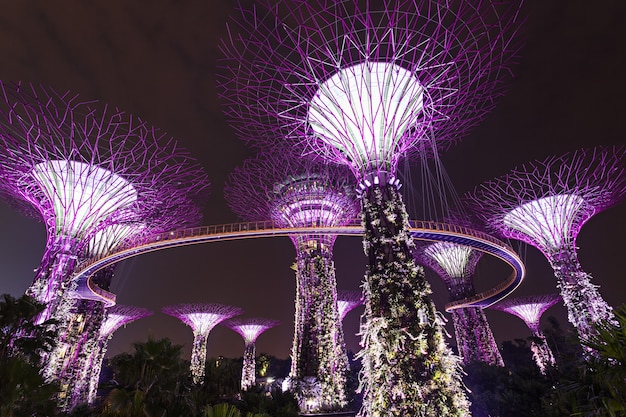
(23,391)
(149,382)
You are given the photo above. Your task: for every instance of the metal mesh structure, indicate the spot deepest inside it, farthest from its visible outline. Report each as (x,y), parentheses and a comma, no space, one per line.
(455,264)
(362,85)
(348,301)
(115,317)
(296,193)
(250,329)
(96,177)
(293,193)
(530,309)
(82,169)
(202,318)
(545,204)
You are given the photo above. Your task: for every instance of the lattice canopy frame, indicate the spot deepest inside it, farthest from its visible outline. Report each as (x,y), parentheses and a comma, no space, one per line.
(250,330)
(202,318)
(545,204)
(530,309)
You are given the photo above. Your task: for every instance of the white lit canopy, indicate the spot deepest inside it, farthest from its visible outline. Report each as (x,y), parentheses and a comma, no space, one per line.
(547,221)
(451,257)
(365,110)
(82,195)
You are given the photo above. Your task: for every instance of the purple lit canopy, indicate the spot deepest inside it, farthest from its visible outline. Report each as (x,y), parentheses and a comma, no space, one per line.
(362,86)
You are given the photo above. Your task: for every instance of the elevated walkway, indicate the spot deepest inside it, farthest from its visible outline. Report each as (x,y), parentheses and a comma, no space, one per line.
(421,230)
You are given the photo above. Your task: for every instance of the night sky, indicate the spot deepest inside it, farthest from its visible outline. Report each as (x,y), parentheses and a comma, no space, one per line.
(157,59)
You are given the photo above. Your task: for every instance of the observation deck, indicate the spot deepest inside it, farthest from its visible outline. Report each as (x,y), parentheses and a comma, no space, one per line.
(421,230)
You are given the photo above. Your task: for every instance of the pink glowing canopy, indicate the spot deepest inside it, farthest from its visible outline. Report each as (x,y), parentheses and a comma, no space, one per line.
(363,84)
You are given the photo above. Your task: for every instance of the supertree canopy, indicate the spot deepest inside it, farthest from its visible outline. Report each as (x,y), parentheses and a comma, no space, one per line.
(83,169)
(530,309)
(348,301)
(95,176)
(249,329)
(363,85)
(297,193)
(455,264)
(545,204)
(202,318)
(115,317)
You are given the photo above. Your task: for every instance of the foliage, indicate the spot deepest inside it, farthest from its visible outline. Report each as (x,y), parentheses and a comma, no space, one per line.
(597,387)
(497,391)
(23,391)
(274,404)
(149,382)
(407,367)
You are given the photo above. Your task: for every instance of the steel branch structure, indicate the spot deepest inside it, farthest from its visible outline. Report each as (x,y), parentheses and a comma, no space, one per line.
(88,314)
(95,176)
(348,301)
(363,85)
(298,193)
(115,317)
(250,329)
(455,264)
(530,309)
(545,204)
(81,170)
(202,318)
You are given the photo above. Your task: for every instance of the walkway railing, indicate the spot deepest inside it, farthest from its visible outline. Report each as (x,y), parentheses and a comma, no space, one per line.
(422,230)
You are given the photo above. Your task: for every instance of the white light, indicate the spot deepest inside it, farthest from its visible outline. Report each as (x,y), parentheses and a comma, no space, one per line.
(452,258)
(364,110)
(547,220)
(108,238)
(82,194)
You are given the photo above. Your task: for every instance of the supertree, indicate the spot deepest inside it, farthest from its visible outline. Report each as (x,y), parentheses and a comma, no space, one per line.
(114,318)
(545,204)
(82,168)
(202,318)
(364,85)
(249,329)
(348,301)
(297,193)
(455,264)
(530,309)
(87,317)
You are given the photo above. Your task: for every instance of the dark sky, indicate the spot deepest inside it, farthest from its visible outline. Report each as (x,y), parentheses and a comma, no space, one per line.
(156,59)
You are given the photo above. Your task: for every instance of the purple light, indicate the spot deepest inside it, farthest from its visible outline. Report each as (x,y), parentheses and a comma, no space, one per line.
(348,301)
(81,170)
(455,264)
(93,176)
(363,85)
(530,309)
(545,204)
(202,318)
(249,329)
(297,193)
(293,193)
(116,317)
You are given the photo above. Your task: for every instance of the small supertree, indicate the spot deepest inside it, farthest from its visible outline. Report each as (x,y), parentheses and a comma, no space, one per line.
(202,318)
(114,318)
(545,204)
(249,329)
(82,168)
(455,264)
(530,309)
(348,301)
(363,84)
(88,315)
(297,193)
